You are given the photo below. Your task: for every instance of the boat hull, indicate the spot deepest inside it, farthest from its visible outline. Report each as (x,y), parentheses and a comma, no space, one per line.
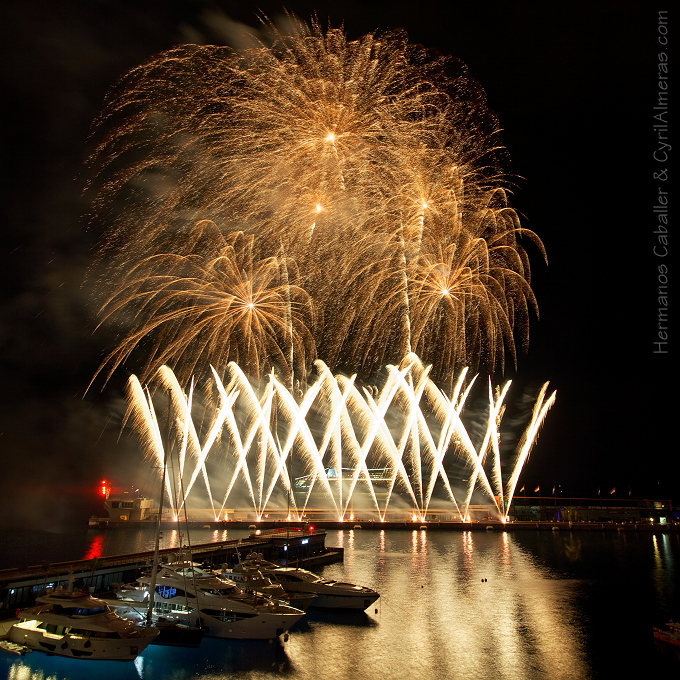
(354,602)
(260,627)
(77,647)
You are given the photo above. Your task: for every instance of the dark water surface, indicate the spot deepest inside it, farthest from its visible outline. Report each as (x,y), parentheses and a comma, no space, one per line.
(471,605)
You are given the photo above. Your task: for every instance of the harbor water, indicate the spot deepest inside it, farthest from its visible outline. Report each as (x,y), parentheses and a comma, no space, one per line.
(469,605)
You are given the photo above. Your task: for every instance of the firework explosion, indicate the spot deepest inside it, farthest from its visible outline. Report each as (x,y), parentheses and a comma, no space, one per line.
(317,197)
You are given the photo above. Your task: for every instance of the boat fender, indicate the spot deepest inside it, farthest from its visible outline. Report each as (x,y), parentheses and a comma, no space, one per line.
(87,644)
(64,645)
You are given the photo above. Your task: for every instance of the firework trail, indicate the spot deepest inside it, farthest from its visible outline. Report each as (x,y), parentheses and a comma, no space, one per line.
(316,197)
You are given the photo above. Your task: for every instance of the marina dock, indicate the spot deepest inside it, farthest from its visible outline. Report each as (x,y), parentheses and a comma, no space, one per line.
(285,546)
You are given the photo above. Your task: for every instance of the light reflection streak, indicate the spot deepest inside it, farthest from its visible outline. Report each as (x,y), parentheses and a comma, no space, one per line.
(96,548)
(518,624)
(657,554)
(505,548)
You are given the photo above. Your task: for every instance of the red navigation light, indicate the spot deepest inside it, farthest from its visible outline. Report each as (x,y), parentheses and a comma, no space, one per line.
(311,528)
(104,488)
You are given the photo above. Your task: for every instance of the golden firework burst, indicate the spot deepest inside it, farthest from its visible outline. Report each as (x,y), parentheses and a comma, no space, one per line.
(365,181)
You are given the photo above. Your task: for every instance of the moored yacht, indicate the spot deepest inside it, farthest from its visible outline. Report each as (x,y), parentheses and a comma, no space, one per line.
(250,577)
(193,596)
(329,594)
(79,626)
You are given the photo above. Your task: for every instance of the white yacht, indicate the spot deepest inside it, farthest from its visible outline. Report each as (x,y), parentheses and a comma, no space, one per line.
(329,594)
(249,577)
(79,626)
(195,597)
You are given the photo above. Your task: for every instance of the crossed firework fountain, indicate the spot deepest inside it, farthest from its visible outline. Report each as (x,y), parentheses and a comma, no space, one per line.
(389,425)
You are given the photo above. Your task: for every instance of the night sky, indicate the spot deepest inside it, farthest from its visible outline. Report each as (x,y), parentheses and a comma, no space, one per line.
(573,86)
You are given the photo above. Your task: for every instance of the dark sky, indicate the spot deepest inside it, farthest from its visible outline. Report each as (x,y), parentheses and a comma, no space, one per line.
(573,85)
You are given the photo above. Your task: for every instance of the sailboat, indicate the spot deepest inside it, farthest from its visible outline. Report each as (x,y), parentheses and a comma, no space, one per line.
(172,632)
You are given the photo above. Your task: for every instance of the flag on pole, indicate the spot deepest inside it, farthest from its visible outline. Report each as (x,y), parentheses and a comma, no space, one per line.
(537,489)
(613,491)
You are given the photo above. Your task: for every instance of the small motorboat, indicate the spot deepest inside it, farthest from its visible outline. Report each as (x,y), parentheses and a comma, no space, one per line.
(77,625)
(14,648)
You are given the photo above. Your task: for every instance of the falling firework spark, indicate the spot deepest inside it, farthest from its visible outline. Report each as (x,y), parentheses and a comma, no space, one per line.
(318,197)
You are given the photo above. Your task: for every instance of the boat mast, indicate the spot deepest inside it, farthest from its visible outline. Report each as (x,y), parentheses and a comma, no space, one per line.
(154,568)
